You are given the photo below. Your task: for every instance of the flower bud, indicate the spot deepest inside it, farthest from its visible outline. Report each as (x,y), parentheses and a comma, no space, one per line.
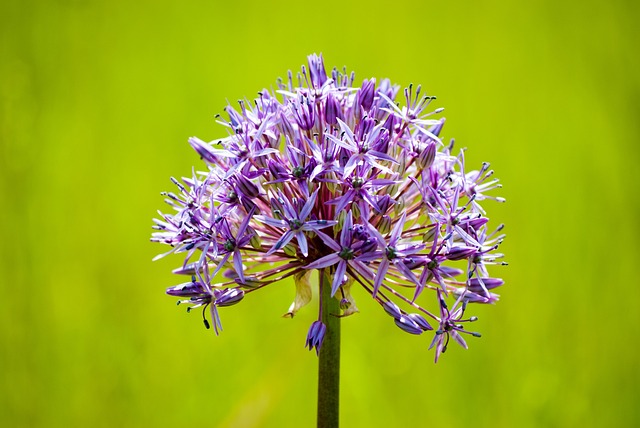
(435,129)
(276,169)
(255,241)
(390,123)
(246,187)
(204,150)
(338,226)
(290,250)
(227,296)
(392,309)
(421,321)
(332,110)
(355,211)
(384,225)
(461,252)
(400,206)
(408,325)
(430,235)
(475,284)
(360,232)
(427,155)
(315,337)
(187,289)
(316,70)
(385,202)
(369,245)
(304,113)
(477,223)
(414,262)
(365,127)
(366,93)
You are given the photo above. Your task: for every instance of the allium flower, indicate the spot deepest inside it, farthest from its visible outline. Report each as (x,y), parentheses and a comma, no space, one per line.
(323,174)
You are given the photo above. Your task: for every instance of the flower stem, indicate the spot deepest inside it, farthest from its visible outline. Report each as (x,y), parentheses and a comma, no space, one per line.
(329,358)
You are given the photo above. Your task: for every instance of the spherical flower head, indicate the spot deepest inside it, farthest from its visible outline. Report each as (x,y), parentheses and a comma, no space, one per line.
(354,180)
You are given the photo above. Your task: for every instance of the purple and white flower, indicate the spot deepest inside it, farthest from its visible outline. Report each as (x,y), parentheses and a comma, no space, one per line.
(325,174)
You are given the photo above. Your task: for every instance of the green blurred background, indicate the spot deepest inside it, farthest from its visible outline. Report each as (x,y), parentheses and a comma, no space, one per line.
(97,100)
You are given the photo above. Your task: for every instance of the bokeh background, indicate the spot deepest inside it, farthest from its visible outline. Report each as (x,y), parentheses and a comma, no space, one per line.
(97,100)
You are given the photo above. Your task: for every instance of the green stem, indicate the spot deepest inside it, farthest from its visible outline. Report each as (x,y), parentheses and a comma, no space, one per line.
(329,358)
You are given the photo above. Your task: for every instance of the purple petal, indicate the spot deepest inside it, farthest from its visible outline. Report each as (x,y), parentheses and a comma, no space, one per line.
(382,243)
(466,237)
(345,234)
(419,319)
(408,325)
(450,271)
(187,289)
(289,209)
(382,156)
(397,230)
(382,270)
(381,167)
(205,151)
(217,324)
(308,206)
(228,296)
(271,221)
(328,241)
(221,263)
(344,144)
(436,338)
(370,256)
(315,336)
(347,131)
(302,243)
(237,264)
(362,269)
(314,225)
(406,271)
(245,223)
(344,200)
(458,338)
(382,182)
(478,285)
(392,309)
(264,152)
(371,199)
(351,164)
(284,240)
(190,268)
(323,262)
(338,276)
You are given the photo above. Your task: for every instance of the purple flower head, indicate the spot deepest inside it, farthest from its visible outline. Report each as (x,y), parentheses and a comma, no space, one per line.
(349,178)
(316,70)
(316,336)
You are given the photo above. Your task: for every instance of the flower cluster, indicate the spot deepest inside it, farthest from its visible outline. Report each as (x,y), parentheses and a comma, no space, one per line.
(323,175)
